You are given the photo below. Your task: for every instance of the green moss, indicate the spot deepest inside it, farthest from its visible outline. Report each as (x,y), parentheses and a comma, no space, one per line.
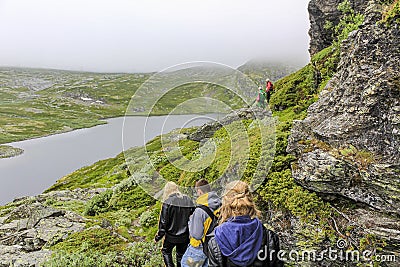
(171,172)
(154,145)
(132,199)
(104,173)
(197,90)
(148,222)
(293,95)
(140,254)
(149,218)
(187,146)
(349,21)
(73,205)
(391,12)
(98,203)
(91,240)
(297,91)
(292,90)
(361,157)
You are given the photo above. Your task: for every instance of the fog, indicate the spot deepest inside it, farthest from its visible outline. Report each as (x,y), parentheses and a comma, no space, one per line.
(150,35)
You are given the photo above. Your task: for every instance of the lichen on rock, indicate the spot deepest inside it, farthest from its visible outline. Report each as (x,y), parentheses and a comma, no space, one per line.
(357,118)
(29,227)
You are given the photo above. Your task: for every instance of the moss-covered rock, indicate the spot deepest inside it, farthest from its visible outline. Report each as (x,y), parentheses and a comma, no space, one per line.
(9,151)
(348,145)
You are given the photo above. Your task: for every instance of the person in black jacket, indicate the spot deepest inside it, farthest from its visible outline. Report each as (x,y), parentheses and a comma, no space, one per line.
(173,223)
(241,239)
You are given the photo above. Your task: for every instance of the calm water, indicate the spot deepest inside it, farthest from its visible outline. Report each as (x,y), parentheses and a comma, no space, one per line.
(47,159)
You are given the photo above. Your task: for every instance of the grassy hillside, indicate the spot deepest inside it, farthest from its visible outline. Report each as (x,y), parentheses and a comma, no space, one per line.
(259,70)
(132,215)
(36,103)
(122,220)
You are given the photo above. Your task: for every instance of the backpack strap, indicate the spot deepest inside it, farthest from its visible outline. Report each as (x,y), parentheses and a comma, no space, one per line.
(207,234)
(208,211)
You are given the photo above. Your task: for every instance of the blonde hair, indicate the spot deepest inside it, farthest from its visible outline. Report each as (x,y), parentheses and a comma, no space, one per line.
(237,201)
(169,189)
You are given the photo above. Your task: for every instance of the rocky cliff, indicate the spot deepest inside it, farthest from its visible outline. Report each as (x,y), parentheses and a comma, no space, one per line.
(29,226)
(348,147)
(321,11)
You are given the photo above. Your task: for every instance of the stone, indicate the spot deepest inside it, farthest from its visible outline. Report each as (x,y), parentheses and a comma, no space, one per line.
(31,226)
(207,130)
(15,257)
(33,212)
(321,11)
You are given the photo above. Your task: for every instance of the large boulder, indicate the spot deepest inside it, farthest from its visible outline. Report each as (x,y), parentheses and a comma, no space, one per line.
(207,130)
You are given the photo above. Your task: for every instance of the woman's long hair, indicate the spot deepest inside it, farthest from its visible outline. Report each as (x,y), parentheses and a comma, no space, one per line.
(237,201)
(169,189)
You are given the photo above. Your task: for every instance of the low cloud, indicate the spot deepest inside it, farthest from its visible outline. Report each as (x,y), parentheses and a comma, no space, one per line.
(142,36)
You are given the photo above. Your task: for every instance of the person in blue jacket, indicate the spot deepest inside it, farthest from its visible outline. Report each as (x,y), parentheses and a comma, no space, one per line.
(241,239)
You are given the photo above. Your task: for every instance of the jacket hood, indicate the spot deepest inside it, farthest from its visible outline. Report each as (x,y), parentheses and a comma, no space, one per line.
(240,239)
(210,199)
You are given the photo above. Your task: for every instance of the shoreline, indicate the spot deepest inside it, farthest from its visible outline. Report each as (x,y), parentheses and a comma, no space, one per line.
(10,151)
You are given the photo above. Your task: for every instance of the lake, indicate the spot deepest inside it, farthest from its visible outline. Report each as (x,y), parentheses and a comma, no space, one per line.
(47,159)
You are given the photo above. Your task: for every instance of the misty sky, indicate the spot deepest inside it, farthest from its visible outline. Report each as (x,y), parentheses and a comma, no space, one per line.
(149,35)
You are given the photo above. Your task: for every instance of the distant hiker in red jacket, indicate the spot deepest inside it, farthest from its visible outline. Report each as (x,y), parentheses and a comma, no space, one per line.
(268,88)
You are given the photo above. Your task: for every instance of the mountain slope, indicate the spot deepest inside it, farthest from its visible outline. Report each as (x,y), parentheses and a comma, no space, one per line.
(118,217)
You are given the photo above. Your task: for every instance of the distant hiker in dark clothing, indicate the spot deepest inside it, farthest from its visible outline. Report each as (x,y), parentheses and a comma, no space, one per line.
(199,225)
(241,239)
(260,101)
(268,89)
(172,224)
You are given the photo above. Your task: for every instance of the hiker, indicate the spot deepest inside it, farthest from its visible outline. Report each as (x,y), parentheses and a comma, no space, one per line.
(261,98)
(172,224)
(241,239)
(268,89)
(199,224)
